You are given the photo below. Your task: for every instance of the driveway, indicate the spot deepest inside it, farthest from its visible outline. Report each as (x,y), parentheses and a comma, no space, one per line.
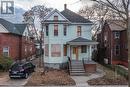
(6,81)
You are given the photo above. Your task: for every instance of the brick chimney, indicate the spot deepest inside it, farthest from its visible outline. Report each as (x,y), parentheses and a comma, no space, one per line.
(65,6)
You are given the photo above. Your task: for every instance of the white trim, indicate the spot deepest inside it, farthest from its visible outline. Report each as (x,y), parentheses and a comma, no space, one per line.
(82,43)
(82,23)
(6,50)
(4,29)
(55,10)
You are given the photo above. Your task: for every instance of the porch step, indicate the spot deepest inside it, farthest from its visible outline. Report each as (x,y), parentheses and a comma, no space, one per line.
(77,68)
(78,74)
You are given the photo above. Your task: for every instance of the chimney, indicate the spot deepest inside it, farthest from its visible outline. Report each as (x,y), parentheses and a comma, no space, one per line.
(65,6)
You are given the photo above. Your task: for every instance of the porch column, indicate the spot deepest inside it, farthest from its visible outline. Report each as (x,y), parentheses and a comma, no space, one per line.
(90,52)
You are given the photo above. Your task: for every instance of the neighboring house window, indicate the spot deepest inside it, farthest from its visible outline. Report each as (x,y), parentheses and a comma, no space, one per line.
(117,34)
(83,49)
(56,30)
(46,49)
(47,31)
(79,31)
(55,50)
(65,50)
(117,50)
(55,18)
(65,30)
(5,51)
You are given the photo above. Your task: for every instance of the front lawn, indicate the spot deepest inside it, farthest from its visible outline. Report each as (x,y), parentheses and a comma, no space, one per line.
(110,78)
(52,77)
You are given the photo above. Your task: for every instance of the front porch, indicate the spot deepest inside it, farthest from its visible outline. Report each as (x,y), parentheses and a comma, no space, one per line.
(80,48)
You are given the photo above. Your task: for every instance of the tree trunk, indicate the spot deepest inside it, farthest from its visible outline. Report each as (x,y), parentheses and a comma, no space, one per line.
(128,35)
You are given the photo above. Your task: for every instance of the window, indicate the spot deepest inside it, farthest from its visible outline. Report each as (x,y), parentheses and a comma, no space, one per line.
(65,50)
(46,50)
(83,49)
(55,50)
(65,30)
(117,50)
(5,51)
(117,34)
(79,31)
(47,31)
(55,18)
(55,30)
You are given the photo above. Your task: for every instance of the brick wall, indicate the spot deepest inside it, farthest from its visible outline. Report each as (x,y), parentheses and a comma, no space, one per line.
(17,45)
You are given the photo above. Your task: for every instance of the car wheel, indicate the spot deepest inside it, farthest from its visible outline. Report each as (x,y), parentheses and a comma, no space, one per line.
(26,75)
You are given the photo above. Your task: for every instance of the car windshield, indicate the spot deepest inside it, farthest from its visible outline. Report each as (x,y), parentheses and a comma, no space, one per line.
(16,67)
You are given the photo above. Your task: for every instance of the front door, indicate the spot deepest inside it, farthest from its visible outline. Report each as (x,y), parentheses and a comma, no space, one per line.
(74,53)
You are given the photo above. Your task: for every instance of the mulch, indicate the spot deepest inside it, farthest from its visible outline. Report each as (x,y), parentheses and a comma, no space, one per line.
(106,81)
(51,77)
(110,78)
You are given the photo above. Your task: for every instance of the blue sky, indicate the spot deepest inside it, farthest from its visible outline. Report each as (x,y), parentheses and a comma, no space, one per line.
(73,5)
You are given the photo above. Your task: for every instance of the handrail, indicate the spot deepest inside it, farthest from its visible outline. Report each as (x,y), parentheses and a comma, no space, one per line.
(69,65)
(83,62)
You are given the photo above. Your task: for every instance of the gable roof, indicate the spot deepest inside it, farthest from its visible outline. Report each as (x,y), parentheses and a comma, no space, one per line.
(80,39)
(116,25)
(52,12)
(21,28)
(73,17)
(13,28)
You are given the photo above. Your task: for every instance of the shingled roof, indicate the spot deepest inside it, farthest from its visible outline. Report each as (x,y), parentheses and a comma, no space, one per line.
(13,28)
(21,28)
(80,39)
(73,17)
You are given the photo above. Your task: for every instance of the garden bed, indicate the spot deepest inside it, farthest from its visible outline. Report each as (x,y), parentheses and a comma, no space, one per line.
(51,77)
(110,78)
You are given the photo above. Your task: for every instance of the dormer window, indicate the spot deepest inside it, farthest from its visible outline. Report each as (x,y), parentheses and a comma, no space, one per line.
(55,18)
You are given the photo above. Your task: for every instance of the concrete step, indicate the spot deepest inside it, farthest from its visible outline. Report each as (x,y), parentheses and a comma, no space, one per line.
(80,69)
(77,71)
(78,74)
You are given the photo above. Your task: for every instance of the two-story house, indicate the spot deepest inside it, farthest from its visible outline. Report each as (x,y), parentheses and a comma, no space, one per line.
(66,34)
(112,40)
(15,40)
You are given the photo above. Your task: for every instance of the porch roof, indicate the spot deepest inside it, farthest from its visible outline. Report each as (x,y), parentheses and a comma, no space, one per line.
(82,41)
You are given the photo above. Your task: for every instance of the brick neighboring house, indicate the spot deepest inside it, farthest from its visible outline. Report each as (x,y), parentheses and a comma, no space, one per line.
(15,40)
(113,43)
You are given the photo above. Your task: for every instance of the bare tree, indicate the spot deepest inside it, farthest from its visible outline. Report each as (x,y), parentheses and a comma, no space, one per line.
(39,11)
(121,9)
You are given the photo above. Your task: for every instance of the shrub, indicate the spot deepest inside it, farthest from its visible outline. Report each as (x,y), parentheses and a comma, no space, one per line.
(5,63)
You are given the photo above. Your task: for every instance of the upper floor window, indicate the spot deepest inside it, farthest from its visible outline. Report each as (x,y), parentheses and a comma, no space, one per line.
(79,31)
(5,51)
(65,30)
(117,34)
(55,29)
(47,31)
(55,18)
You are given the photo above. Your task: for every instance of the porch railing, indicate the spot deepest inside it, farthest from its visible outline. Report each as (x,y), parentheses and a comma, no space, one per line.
(69,65)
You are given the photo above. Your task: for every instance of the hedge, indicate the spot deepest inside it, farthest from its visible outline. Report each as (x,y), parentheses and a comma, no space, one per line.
(5,63)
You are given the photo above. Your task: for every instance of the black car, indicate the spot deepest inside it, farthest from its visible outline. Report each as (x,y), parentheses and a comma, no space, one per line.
(21,70)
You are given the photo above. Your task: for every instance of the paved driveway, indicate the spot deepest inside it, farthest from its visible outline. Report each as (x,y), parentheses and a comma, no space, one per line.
(6,81)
